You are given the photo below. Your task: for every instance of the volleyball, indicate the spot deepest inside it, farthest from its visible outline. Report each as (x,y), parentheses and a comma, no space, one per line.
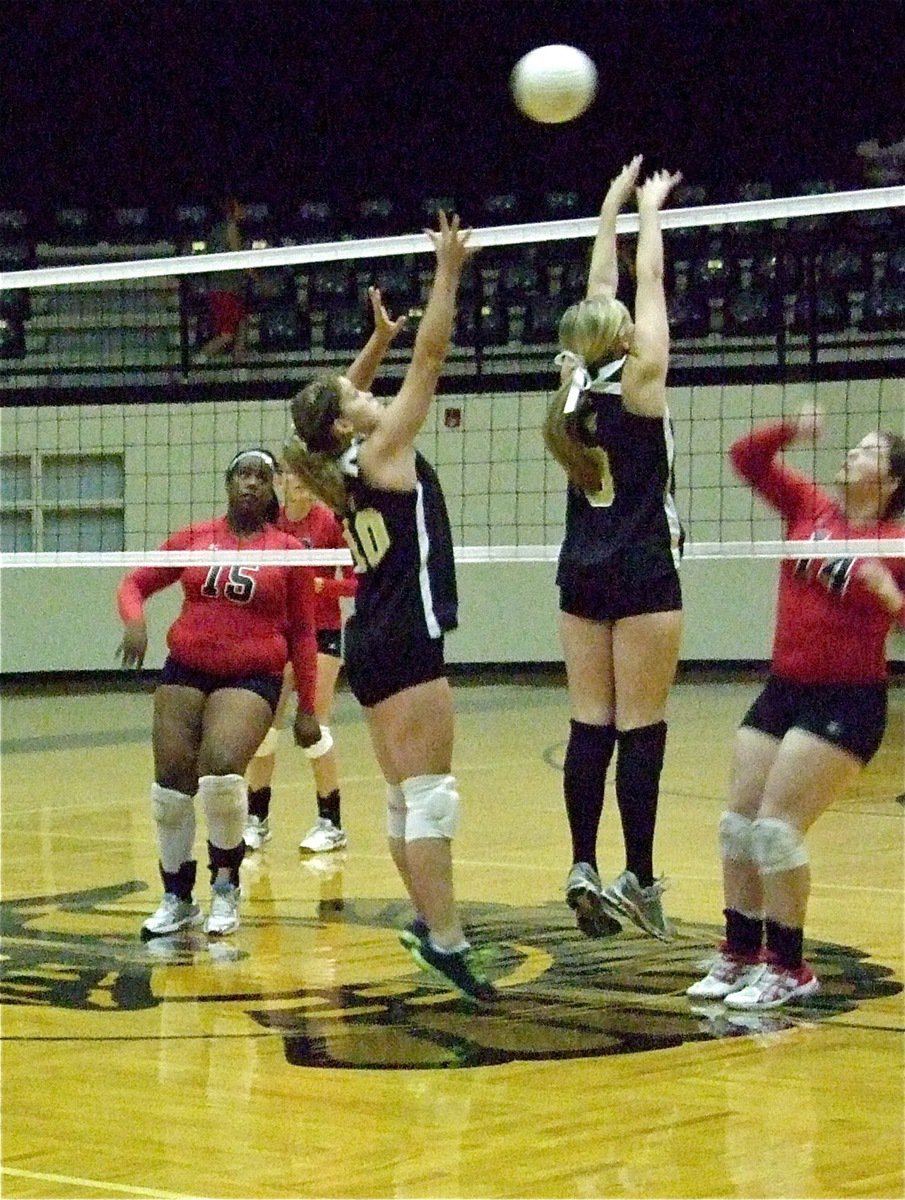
(553,84)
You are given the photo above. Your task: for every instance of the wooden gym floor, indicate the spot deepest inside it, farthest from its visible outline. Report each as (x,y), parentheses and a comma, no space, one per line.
(306,1057)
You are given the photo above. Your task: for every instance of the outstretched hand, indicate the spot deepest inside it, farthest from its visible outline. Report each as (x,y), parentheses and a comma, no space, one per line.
(450,242)
(384,325)
(621,185)
(654,190)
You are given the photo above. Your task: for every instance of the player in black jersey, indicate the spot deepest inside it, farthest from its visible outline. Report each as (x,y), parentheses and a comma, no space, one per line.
(620,600)
(357,454)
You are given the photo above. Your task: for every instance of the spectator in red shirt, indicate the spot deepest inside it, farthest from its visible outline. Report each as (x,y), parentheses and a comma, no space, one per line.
(238,627)
(822,715)
(317,528)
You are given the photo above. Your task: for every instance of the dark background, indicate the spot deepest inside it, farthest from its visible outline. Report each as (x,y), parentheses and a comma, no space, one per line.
(163,103)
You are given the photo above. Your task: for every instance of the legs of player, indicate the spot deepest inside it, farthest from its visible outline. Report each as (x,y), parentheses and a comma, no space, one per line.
(645,655)
(588,653)
(798,777)
(327,832)
(234,723)
(412,734)
(259,774)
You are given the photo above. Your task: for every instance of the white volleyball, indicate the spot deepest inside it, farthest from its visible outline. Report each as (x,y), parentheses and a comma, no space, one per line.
(553,84)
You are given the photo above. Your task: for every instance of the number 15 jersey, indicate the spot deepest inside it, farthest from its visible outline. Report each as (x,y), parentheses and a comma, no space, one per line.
(401,545)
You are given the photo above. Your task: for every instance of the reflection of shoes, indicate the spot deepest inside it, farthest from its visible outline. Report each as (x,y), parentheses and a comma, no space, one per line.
(773,986)
(178,950)
(728,972)
(642,906)
(324,866)
(458,968)
(224,914)
(584,894)
(172,915)
(416,931)
(257,832)
(323,836)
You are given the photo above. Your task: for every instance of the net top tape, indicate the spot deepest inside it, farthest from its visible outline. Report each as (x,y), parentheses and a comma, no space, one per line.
(743,212)
(128,559)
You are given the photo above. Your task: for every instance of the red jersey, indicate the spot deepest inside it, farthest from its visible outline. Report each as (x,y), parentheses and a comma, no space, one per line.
(820,636)
(235,620)
(320,530)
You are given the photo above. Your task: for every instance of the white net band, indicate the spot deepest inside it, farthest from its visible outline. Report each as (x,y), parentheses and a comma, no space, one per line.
(858,548)
(743,212)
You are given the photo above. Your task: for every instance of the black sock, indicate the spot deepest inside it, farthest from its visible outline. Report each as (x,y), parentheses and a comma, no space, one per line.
(639,764)
(180,883)
(217,857)
(744,935)
(785,944)
(259,803)
(588,756)
(328,807)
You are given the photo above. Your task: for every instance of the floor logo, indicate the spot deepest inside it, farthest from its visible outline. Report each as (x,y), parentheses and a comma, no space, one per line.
(338,989)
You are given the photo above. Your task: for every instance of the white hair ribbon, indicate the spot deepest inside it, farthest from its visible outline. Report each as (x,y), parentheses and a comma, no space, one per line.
(581,380)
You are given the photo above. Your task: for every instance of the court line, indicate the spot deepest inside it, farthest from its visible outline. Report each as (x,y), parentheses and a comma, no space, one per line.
(75,1181)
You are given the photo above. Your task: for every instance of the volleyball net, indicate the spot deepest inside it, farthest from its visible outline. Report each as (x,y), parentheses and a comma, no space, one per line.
(113,433)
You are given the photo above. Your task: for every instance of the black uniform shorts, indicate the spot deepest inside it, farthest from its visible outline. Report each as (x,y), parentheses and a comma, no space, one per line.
(268,687)
(330,641)
(612,594)
(378,667)
(848,715)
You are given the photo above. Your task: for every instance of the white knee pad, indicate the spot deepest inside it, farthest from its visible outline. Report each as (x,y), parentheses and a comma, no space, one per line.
(735,837)
(174,816)
(322,746)
(777,846)
(225,799)
(268,746)
(431,807)
(395,811)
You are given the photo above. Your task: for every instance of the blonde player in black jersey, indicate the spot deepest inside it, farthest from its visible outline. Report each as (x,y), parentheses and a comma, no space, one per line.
(620,599)
(357,454)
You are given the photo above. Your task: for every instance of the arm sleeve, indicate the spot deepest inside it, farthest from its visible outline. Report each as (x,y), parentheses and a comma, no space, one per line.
(754,458)
(301,636)
(138,585)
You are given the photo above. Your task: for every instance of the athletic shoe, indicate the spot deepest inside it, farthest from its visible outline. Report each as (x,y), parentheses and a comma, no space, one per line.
(584,894)
(224,914)
(642,906)
(458,968)
(257,832)
(774,986)
(323,836)
(414,933)
(728,973)
(172,915)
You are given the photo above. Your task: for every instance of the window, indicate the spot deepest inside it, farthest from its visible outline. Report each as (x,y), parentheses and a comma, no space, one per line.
(70,502)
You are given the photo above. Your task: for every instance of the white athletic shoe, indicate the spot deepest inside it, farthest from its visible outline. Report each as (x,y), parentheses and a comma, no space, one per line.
(774,986)
(728,973)
(257,832)
(172,915)
(322,837)
(224,914)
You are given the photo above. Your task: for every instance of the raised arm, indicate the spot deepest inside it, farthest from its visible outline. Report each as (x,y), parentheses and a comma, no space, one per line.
(407,412)
(603,274)
(365,367)
(644,375)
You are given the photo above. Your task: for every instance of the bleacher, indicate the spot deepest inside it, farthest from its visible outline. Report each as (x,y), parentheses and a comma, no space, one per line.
(773,295)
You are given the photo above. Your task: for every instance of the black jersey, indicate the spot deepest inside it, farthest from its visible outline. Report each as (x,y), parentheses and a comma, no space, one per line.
(402,547)
(632,522)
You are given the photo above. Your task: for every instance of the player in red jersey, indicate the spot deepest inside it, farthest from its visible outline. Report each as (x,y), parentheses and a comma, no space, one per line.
(238,627)
(821,716)
(316,527)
